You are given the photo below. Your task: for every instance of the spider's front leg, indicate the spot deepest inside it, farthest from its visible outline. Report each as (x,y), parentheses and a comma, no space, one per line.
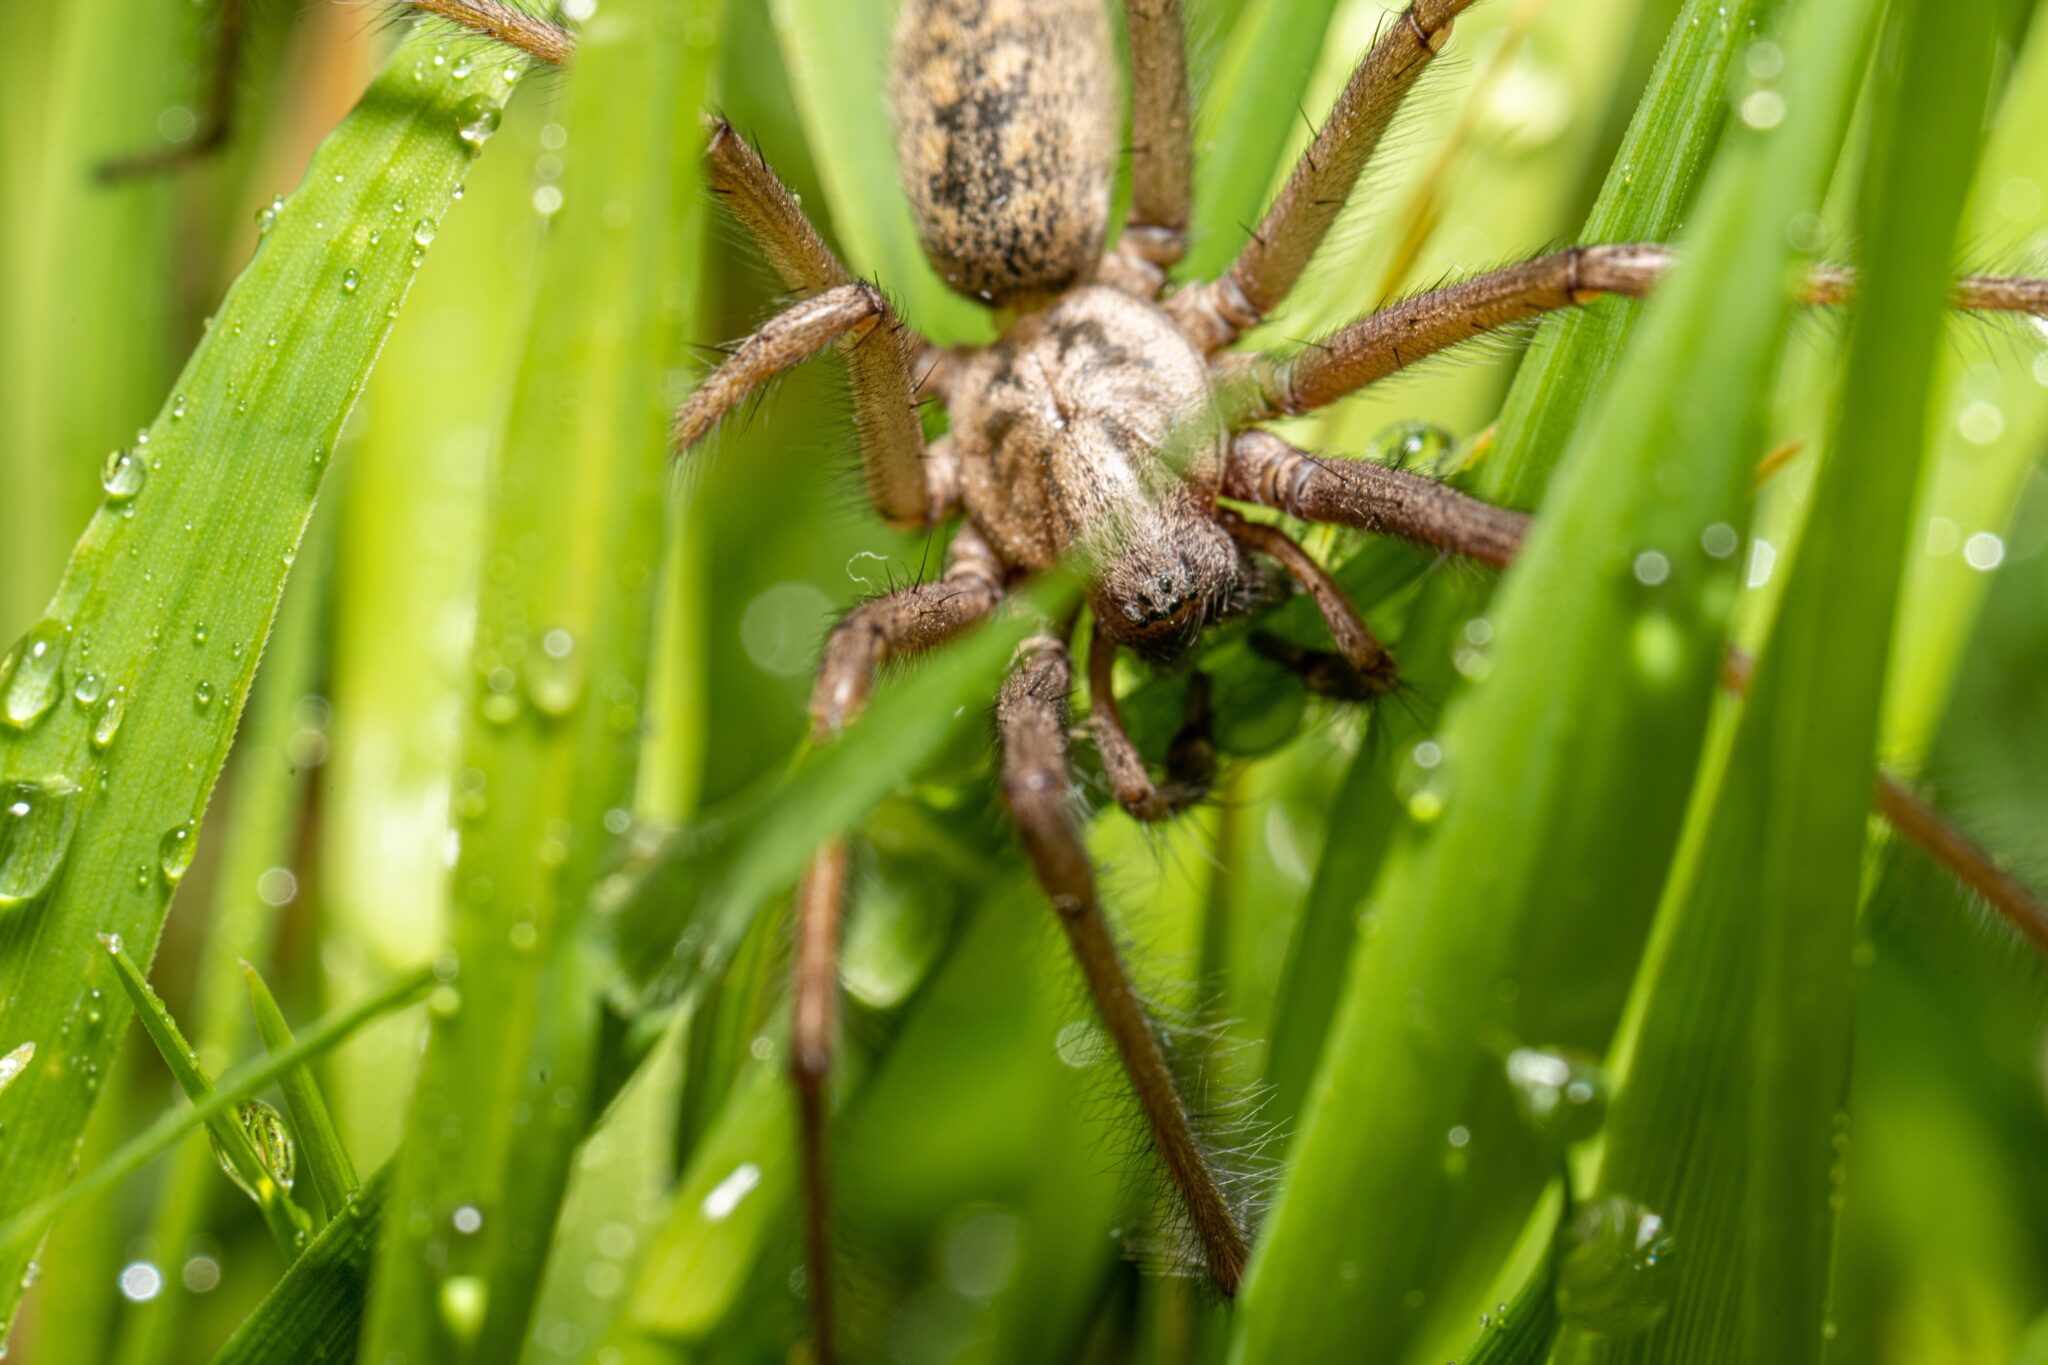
(1155,235)
(908,621)
(1031,717)
(1190,759)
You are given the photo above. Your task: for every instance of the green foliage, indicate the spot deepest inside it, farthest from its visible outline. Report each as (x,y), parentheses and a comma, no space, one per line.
(528,740)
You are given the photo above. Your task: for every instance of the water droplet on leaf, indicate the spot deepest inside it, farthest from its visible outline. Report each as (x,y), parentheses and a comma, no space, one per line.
(123,474)
(1613,1277)
(28,674)
(1562,1093)
(272,1140)
(174,851)
(37,820)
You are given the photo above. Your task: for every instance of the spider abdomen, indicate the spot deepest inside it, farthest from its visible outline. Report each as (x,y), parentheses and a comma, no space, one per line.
(1006,132)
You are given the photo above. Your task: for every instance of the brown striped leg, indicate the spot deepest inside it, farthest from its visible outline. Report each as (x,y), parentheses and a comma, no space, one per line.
(1357,644)
(1155,234)
(1261,468)
(1258,388)
(1216,313)
(1190,759)
(216,124)
(1032,719)
(907,621)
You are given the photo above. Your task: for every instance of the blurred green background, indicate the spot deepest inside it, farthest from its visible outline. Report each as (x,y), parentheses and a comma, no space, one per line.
(991,1204)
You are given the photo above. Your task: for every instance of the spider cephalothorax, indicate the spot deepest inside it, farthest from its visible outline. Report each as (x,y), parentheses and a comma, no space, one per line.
(1102,428)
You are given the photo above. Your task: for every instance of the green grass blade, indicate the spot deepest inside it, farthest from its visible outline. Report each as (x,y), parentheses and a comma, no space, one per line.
(1675,129)
(254,1172)
(1649,189)
(315,1312)
(709,899)
(837,52)
(320,1147)
(573,549)
(95,280)
(232,1088)
(1743,1017)
(738,1185)
(164,609)
(1972,482)
(249,893)
(1563,777)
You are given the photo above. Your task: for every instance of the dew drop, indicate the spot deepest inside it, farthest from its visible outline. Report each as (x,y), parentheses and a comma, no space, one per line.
(174,851)
(28,674)
(462,68)
(1613,1277)
(476,121)
(178,406)
(349,281)
(202,695)
(267,1133)
(37,820)
(1562,1093)
(554,680)
(122,476)
(106,721)
(423,233)
(88,687)
(16,1062)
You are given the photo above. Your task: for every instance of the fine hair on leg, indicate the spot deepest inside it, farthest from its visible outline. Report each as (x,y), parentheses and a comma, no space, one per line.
(1031,717)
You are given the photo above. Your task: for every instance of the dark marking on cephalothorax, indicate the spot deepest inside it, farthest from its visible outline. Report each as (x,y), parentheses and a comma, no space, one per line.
(1006,139)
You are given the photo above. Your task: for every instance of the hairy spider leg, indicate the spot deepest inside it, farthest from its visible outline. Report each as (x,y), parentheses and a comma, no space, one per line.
(1261,468)
(1162,148)
(1190,759)
(908,621)
(1357,644)
(879,358)
(506,23)
(1031,716)
(1258,388)
(216,123)
(1215,313)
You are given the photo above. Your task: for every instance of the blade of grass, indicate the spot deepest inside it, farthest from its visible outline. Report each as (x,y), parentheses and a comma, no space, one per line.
(315,1312)
(320,1147)
(1561,780)
(268,798)
(165,607)
(1986,444)
(572,552)
(90,347)
(837,52)
(1741,1024)
(233,1086)
(288,1223)
(678,918)
(1676,128)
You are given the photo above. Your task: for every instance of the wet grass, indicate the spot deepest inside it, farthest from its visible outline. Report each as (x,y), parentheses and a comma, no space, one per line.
(507,828)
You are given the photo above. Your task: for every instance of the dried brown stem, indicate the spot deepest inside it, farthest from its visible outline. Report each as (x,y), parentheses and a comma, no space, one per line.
(1261,468)
(1032,718)
(216,124)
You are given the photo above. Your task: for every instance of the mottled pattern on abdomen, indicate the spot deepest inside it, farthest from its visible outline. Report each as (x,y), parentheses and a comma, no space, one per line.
(1006,128)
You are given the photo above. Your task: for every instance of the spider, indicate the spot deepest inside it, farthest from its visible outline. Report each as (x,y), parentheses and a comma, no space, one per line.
(1106,426)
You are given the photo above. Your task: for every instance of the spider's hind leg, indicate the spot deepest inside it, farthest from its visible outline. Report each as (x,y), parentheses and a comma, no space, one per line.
(1032,719)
